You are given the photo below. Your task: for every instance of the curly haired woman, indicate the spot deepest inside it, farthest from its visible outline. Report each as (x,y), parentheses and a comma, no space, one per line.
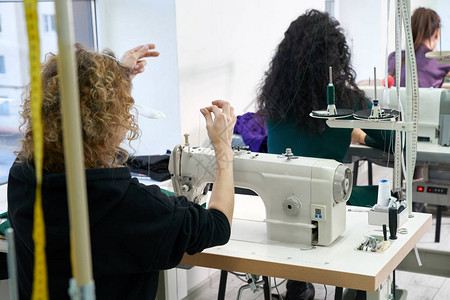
(295,85)
(136,230)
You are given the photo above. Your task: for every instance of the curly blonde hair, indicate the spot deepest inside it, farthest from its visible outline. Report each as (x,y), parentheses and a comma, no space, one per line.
(105,105)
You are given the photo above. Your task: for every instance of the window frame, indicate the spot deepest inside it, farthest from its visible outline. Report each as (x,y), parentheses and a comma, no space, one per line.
(2,65)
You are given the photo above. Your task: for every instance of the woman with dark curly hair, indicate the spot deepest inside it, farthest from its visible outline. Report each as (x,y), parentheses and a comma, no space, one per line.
(136,230)
(295,85)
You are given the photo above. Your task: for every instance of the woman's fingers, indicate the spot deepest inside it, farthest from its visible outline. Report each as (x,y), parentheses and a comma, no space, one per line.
(143,51)
(224,105)
(220,120)
(206,113)
(223,108)
(133,57)
(216,111)
(139,67)
(233,116)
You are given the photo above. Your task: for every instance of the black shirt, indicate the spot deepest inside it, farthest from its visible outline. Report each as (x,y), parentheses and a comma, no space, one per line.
(136,230)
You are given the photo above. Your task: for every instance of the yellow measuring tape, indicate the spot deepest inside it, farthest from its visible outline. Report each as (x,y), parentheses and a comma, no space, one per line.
(40,286)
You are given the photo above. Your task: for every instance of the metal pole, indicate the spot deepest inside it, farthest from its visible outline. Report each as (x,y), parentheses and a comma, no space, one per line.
(12,265)
(82,287)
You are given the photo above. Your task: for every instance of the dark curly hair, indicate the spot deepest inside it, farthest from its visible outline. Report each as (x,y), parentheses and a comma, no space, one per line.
(105,104)
(296,81)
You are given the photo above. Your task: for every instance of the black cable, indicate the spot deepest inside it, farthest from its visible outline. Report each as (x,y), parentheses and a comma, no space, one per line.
(326,292)
(238,275)
(276,287)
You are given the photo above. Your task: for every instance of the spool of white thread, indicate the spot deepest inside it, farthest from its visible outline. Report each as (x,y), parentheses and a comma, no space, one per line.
(384,192)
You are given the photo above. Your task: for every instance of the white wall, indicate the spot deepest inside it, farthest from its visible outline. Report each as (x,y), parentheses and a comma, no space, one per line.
(364,33)
(125,24)
(224,48)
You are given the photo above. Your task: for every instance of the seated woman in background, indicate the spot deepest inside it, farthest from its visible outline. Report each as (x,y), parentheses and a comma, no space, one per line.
(296,84)
(135,229)
(425,25)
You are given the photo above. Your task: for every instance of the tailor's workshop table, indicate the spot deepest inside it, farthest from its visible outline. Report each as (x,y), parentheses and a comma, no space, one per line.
(339,264)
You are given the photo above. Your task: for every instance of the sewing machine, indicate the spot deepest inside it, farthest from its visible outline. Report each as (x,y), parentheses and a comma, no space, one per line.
(434,187)
(434,112)
(433,135)
(304,197)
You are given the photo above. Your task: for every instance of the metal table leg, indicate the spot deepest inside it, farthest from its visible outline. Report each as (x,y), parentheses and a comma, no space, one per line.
(437,235)
(222,285)
(338,293)
(355,172)
(369,173)
(267,288)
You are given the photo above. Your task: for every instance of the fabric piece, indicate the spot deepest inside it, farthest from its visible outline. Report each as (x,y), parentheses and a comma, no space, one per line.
(430,72)
(365,196)
(154,166)
(136,230)
(5,225)
(253,132)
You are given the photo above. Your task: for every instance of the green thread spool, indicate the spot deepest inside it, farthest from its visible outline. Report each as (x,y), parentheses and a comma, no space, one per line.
(330,89)
(330,94)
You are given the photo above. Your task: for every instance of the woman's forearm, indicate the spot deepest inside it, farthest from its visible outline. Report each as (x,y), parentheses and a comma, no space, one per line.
(222,196)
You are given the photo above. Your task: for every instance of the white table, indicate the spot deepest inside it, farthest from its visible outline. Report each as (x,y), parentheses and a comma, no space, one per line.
(339,264)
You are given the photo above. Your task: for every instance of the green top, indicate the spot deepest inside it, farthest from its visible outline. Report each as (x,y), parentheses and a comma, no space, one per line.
(331,143)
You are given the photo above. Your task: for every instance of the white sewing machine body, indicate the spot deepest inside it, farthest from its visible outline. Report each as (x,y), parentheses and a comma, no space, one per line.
(304,197)
(434,112)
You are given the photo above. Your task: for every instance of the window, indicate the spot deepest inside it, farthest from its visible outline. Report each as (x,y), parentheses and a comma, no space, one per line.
(49,23)
(4,105)
(14,80)
(2,64)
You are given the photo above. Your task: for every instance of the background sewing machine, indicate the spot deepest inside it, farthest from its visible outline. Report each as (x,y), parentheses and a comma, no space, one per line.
(434,137)
(434,112)
(304,197)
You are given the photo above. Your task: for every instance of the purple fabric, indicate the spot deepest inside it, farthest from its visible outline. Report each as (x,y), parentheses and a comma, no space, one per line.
(429,71)
(254,134)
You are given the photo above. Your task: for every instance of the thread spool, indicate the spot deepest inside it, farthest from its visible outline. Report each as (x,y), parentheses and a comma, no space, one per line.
(384,193)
